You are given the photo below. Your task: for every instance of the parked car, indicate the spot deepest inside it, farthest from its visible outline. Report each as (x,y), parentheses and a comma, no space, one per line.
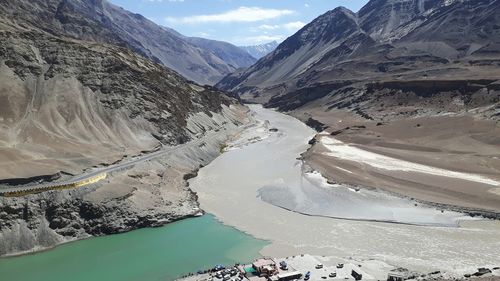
(340,265)
(219,267)
(283,265)
(319,266)
(333,274)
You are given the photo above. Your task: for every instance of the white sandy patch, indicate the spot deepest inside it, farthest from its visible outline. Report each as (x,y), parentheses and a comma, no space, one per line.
(371,270)
(255,132)
(342,169)
(317,179)
(495,191)
(342,150)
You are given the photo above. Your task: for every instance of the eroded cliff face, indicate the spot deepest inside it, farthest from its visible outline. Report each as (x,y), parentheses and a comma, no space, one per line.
(149,194)
(68,106)
(66,101)
(393,100)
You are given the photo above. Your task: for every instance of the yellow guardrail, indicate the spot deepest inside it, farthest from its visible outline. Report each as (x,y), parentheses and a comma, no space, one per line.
(33,190)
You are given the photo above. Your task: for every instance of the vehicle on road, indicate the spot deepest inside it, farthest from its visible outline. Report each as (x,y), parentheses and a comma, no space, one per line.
(283,265)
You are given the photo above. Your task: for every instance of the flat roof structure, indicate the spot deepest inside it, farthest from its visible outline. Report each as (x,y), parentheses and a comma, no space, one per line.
(289,274)
(257,278)
(263,263)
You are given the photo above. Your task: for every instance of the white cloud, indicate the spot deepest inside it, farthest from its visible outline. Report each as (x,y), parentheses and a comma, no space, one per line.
(296,25)
(306,5)
(242,14)
(255,40)
(203,34)
(291,26)
(269,27)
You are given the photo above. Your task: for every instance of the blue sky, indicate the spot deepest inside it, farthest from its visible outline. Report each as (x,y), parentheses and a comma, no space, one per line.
(241,22)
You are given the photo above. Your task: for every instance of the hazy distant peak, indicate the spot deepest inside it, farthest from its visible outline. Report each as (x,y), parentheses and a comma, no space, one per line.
(259,51)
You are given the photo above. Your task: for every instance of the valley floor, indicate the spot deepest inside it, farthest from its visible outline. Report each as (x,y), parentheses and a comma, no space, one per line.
(249,186)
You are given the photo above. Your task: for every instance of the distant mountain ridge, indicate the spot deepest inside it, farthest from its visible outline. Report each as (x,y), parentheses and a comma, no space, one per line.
(101,21)
(259,51)
(229,53)
(341,54)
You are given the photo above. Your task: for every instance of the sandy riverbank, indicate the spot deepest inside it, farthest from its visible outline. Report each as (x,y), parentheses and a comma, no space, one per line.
(449,160)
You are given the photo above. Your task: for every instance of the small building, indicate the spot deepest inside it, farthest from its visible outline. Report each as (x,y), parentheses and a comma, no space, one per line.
(287,276)
(357,276)
(396,276)
(265,267)
(399,274)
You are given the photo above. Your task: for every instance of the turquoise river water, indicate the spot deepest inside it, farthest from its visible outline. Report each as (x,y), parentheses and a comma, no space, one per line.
(143,255)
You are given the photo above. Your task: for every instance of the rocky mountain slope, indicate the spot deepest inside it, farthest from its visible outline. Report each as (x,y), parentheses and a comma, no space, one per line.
(101,21)
(389,50)
(229,53)
(74,97)
(414,81)
(259,51)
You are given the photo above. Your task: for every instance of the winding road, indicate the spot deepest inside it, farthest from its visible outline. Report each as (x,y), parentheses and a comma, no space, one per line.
(98,171)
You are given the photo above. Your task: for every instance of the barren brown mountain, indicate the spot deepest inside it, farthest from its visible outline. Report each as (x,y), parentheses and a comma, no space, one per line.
(412,80)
